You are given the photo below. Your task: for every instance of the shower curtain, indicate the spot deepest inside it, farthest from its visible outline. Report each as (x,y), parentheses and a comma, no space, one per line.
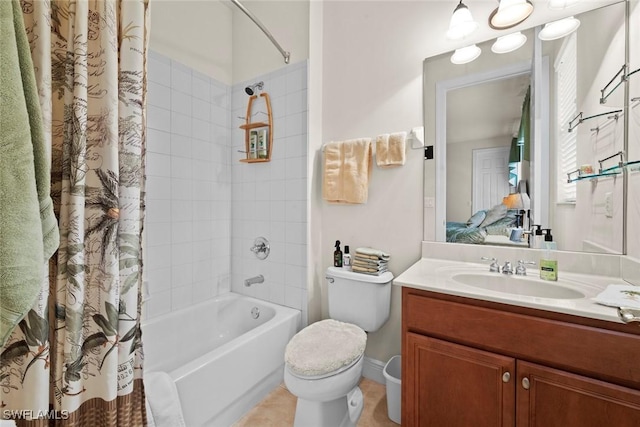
(76,358)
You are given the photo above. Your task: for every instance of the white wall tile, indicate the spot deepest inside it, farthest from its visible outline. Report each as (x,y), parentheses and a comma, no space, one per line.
(158,187)
(159,95)
(159,280)
(201,129)
(180,124)
(181,297)
(181,275)
(180,77)
(158,233)
(181,189)
(158,118)
(158,257)
(158,142)
(296,80)
(185,207)
(201,87)
(181,168)
(158,304)
(181,102)
(201,109)
(158,210)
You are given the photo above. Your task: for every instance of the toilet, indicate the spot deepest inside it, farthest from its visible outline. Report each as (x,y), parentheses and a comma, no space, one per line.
(323,362)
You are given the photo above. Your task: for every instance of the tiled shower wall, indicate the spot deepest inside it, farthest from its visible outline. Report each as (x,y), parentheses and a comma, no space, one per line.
(270,199)
(205,208)
(188,215)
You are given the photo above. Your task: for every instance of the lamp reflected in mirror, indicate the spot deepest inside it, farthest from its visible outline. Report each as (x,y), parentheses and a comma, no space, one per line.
(520,202)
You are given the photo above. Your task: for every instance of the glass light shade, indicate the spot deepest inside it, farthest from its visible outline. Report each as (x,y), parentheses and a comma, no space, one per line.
(465,54)
(510,13)
(461,24)
(561,4)
(558,29)
(509,43)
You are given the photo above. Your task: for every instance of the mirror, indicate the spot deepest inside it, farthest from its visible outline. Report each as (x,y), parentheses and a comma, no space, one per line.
(475,111)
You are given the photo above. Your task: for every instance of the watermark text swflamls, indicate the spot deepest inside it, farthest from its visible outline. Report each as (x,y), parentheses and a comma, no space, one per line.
(29,414)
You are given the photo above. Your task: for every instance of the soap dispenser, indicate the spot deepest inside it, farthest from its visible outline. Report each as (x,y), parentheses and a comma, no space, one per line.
(549,261)
(337,255)
(537,238)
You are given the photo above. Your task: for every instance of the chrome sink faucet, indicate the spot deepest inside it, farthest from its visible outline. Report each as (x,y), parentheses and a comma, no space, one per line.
(494,267)
(506,268)
(253,280)
(521,269)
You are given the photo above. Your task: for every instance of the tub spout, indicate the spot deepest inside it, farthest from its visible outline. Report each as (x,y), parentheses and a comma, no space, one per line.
(252,280)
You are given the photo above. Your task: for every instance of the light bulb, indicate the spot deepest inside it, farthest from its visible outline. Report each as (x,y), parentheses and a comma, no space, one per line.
(465,54)
(558,29)
(510,13)
(461,24)
(509,43)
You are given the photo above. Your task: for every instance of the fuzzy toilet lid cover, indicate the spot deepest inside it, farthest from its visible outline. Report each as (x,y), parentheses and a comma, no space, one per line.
(324,347)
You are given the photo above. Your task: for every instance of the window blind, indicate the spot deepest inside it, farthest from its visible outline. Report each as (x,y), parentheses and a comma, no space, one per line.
(566,68)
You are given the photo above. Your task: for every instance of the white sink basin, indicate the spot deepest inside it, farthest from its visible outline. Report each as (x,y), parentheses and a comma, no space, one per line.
(517,285)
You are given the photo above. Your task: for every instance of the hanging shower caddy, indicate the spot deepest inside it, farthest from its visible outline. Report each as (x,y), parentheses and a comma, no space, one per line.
(259,128)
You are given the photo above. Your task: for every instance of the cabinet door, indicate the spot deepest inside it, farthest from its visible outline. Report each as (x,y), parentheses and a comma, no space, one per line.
(548,397)
(452,385)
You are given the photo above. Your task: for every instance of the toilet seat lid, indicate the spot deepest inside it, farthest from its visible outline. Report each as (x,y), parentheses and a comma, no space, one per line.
(324,347)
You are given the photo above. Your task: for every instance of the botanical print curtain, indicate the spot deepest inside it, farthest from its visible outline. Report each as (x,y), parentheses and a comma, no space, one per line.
(77,354)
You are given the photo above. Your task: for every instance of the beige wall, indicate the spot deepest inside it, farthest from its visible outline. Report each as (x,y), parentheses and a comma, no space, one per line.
(372,84)
(195,33)
(253,52)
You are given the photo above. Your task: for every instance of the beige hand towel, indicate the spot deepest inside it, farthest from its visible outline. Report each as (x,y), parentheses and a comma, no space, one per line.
(347,167)
(390,149)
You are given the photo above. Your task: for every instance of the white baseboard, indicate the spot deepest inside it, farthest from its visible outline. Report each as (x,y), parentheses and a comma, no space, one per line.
(372,369)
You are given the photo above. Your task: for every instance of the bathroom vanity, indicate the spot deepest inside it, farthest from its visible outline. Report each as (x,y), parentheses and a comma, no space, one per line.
(482,356)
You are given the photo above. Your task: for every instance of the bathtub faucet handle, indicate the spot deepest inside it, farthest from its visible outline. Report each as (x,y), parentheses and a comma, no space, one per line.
(253,280)
(260,248)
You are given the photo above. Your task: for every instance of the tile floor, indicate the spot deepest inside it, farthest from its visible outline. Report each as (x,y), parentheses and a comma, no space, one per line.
(279,407)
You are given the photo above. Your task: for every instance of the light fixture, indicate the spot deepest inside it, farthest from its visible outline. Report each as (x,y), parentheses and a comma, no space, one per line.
(509,43)
(465,54)
(558,29)
(462,23)
(510,13)
(561,4)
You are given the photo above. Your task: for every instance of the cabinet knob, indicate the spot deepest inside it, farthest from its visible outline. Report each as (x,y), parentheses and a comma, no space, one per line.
(506,377)
(525,383)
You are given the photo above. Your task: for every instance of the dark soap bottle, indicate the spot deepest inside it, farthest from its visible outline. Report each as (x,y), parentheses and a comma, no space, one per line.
(337,255)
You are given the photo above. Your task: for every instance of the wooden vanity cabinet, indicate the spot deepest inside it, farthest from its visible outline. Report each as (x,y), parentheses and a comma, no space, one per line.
(475,363)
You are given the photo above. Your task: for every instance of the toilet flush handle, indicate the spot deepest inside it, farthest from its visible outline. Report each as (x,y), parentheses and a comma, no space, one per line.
(329,279)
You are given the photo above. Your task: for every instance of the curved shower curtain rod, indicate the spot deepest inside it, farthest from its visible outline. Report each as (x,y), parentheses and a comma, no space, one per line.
(266,32)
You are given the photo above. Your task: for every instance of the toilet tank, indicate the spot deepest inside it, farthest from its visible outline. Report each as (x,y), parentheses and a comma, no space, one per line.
(357,298)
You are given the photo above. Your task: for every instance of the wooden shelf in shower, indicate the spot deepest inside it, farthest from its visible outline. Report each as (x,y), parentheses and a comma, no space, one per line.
(249,126)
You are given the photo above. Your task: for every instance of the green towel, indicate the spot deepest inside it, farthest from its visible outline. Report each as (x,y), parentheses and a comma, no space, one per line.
(28,228)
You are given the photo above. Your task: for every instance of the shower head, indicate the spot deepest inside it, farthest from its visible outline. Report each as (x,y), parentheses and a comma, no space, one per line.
(251,89)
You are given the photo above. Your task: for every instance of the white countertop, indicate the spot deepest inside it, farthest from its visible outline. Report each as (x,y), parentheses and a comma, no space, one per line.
(438,276)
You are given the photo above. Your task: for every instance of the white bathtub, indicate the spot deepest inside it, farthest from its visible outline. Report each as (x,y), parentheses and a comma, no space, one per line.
(222,360)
